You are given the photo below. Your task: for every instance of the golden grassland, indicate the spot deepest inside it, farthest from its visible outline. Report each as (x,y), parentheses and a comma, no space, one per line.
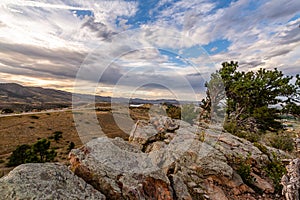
(27,129)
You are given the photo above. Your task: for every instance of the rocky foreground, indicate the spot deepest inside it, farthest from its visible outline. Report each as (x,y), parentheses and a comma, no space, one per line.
(163,159)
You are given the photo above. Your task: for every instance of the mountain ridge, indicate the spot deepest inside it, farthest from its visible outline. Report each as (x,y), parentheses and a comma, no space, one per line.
(24,98)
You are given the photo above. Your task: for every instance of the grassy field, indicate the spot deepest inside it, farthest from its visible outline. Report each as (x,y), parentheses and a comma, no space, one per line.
(27,129)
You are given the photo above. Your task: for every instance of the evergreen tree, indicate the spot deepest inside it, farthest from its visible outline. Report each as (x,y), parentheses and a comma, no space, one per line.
(251,95)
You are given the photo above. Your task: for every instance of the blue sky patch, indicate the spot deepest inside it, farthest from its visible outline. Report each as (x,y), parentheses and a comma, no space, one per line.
(174,58)
(217,46)
(82,13)
(148,12)
(223,3)
(143,14)
(295,17)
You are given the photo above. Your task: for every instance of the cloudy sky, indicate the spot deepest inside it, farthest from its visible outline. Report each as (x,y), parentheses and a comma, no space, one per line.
(149,48)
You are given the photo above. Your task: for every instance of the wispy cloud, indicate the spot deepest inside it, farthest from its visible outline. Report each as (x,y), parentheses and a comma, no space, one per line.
(51,40)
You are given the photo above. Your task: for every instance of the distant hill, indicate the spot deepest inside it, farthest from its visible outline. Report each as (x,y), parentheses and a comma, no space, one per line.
(23,98)
(18,93)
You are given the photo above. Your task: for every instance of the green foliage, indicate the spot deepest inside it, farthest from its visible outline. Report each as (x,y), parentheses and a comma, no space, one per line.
(249,95)
(275,170)
(265,118)
(261,147)
(71,146)
(39,152)
(189,113)
(293,109)
(57,135)
(282,141)
(234,129)
(231,127)
(250,136)
(244,170)
(174,112)
(19,155)
(7,111)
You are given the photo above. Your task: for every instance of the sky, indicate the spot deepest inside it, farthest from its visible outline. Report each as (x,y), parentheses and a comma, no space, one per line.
(143,48)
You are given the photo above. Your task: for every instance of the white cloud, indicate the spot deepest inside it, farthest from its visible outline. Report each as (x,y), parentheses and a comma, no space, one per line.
(45,39)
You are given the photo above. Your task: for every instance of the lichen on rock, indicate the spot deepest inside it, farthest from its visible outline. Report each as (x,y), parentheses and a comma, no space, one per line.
(45,181)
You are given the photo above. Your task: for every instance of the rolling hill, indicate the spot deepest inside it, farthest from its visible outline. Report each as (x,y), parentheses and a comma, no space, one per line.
(22,98)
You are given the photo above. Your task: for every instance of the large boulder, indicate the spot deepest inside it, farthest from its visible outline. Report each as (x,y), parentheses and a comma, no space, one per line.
(120,170)
(45,181)
(159,128)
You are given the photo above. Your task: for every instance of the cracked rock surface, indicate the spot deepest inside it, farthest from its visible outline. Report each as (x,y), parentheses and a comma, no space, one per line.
(45,181)
(164,159)
(171,159)
(291,181)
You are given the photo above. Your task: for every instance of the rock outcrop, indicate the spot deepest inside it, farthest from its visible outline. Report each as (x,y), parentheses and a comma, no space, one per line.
(170,159)
(120,170)
(291,181)
(45,181)
(164,159)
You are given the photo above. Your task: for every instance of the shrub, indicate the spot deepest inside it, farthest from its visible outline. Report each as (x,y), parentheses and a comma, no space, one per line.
(7,111)
(231,127)
(71,146)
(57,135)
(19,155)
(244,170)
(261,147)
(275,170)
(282,141)
(39,152)
(174,112)
(250,136)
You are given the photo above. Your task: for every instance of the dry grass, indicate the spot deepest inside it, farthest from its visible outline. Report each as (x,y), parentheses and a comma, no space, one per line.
(27,129)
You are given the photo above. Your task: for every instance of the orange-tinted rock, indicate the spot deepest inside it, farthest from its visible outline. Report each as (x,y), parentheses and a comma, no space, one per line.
(120,171)
(262,184)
